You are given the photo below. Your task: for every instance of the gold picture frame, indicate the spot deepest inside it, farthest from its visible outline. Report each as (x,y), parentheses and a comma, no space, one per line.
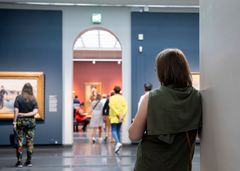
(196,80)
(11,84)
(90,91)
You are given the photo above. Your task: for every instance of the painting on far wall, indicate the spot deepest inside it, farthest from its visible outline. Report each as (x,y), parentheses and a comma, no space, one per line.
(91,90)
(11,84)
(196,80)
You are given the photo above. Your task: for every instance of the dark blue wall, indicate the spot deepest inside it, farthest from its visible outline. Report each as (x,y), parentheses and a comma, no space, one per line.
(161,30)
(31,40)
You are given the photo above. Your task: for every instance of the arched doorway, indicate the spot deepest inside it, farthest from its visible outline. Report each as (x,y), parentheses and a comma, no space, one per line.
(97,63)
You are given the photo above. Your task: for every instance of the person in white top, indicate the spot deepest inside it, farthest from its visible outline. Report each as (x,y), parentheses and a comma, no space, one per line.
(147,88)
(97,118)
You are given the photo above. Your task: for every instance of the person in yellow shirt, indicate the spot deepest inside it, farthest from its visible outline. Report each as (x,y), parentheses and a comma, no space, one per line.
(117,115)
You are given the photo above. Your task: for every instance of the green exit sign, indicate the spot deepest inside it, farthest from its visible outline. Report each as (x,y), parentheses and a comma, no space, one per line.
(96,18)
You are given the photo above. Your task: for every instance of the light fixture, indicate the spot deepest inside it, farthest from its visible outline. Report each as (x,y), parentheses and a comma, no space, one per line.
(140,36)
(94,62)
(140,49)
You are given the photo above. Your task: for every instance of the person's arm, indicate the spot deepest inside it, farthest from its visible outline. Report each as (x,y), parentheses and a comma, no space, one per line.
(81,112)
(124,107)
(15,118)
(29,114)
(138,126)
(140,101)
(32,113)
(16,110)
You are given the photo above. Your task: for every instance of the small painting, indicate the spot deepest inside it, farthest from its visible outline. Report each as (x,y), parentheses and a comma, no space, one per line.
(91,89)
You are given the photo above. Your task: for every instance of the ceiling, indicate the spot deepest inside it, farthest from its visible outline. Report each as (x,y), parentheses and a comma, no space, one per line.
(130,3)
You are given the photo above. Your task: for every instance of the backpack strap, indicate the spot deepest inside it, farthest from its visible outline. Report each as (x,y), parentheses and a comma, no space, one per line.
(96,105)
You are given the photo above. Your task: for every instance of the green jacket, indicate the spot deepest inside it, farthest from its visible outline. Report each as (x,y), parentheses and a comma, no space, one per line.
(173,118)
(173,110)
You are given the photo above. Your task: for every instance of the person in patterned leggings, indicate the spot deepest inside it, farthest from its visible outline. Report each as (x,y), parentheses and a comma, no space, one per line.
(25,108)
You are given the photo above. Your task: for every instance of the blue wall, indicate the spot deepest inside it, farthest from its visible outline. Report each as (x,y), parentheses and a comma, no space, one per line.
(31,40)
(161,30)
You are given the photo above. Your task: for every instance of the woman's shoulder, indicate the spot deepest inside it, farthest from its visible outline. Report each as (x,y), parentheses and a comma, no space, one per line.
(155,92)
(19,97)
(196,92)
(94,102)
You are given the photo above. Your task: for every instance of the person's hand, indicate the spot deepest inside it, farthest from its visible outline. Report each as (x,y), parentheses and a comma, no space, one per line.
(20,115)
(121,118)
(14,125)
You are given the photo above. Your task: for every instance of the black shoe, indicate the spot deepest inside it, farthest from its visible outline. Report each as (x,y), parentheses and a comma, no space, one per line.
(28,164)
(105,139)
(19,164)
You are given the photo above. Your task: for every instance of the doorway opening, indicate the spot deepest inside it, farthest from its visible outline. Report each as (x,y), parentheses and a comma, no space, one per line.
(97,67)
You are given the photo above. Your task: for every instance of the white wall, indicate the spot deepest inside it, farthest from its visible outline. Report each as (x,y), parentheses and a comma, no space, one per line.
(76,20)
(220,83)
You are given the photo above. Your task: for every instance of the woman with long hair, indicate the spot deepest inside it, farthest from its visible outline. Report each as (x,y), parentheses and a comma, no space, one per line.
(96,121)
(25,108)
(168,118)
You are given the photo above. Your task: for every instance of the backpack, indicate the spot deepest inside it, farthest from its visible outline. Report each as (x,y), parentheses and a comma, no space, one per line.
(106,108)
(13,139)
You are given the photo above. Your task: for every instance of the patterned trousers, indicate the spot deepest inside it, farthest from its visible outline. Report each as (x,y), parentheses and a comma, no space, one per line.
(25,130)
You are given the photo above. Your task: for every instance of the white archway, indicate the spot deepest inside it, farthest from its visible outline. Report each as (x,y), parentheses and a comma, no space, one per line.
(124,37)
(97,56)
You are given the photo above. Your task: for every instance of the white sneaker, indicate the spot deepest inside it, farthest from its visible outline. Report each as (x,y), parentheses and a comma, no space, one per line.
(93,140)
(118,147)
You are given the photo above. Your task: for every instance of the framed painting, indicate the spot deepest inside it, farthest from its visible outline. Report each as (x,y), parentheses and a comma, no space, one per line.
(11,84)
(90,91)
(196,80)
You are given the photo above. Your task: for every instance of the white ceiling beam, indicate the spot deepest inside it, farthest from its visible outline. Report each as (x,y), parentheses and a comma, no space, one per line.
(130,3)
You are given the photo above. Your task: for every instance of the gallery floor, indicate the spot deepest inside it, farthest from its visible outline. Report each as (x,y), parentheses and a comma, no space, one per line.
(83,155)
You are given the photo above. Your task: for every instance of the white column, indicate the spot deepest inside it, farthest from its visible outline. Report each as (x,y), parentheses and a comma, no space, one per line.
(126,81)
(67,117)
(220,84)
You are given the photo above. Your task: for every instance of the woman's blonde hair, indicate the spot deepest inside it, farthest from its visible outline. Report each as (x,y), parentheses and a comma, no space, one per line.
(172,68)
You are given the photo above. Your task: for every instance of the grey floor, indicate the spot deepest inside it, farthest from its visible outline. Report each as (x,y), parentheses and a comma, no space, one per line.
(83,156)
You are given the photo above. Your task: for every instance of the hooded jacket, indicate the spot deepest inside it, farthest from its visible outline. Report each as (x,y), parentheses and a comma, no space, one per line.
(173,110)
